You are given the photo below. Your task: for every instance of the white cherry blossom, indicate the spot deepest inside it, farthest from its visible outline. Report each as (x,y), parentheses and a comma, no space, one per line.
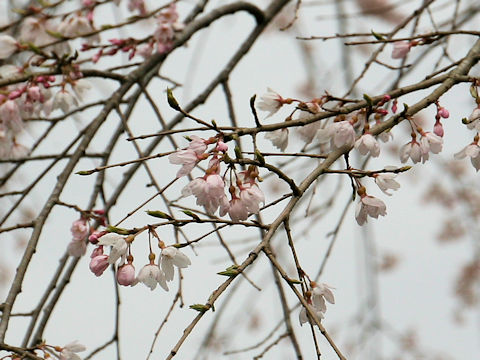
(118,244)
(369,206)
(367,144)
(151,275)
(386,182)
(279,138)
(169,257)
(8,46)
(69,351)
(473,152)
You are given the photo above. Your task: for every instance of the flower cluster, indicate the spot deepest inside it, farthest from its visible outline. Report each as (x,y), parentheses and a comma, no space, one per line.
(150,274)
(316,298)
(31,99)
(209,189)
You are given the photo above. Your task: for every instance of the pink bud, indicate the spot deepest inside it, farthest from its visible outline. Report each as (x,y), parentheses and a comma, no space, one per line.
(443,113)
(95,236)
(394,106)
(221,146)
(118,42)
(97,56)
(400,49)
(99,264)
(34,93)
(15,94)
(438,129)
(126,274)
(97,251)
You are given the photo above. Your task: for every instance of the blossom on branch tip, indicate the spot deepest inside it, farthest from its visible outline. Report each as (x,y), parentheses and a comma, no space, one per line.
(169,257)
(369,206)
(271,102)
(386,182)
(320,293)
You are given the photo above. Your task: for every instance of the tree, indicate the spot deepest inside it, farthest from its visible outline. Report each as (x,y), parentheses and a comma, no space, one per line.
(135,124)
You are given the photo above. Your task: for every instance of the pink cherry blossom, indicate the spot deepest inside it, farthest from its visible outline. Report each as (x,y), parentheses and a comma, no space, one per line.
(77,248)
(190,156)
(209,191)
(80,229)
(400,49)
(99,264)
(126,275)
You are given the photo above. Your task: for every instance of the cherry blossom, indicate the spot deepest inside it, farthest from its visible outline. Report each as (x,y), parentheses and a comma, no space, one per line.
(386,182)
(126,274)
(279,138)
(69,351)
(271,102)
(400,49)
(80,229)
(413,151)
(367,144)
(430,142)
(303,317)
(473,152)
(169,257)
(151,275)
(339,134)
(8,46)
(99,264)
(77,247)
(369,206)
(209,191)
(474,120)
(118,244)
(252,197)
(190,156)
(320,293)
